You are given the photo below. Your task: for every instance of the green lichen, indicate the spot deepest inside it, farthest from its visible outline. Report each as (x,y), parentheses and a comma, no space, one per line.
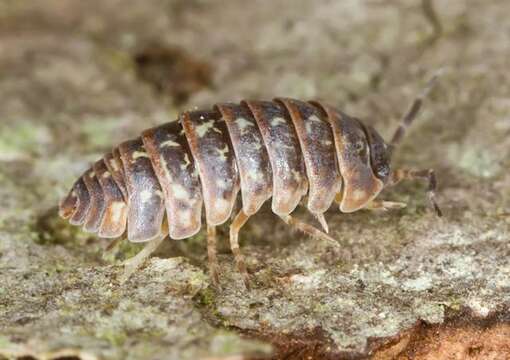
(50,229)
(4,342)
(98,132)
(121,250)
(22,139)
(479,162)
(119,60)
(225,344)
(114,336)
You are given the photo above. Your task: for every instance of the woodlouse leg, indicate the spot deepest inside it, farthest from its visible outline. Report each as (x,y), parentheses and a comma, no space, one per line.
(308,229)
(385,205)
(134,263)
(235,226)
(427,174)
(211,254)
(113,243)
(322,220)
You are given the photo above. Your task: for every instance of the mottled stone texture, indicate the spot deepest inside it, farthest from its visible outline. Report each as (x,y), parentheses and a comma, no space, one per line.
(77,77)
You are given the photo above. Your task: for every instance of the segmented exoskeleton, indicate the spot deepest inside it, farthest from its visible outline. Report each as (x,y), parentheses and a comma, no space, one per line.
(283,149)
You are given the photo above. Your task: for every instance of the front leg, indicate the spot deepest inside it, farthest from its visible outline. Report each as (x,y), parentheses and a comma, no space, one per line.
(427,175)
(385,205)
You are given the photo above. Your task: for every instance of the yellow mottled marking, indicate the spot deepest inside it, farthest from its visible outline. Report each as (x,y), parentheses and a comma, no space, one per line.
(222,184)
(117,208)
(164,165)
(184,218)
(114,165)
(203,128)
(145,195)
(169,143)
(254,175)
(139,154)
(222,153)
(180,193)
(285,146)
(186,160)
(277,121)
(257,145)
(221,205)
(314,118)
(359,194)
(242,123)
(106,174)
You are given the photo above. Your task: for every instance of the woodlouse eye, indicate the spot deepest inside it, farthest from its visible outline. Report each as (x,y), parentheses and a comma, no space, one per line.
(383,171)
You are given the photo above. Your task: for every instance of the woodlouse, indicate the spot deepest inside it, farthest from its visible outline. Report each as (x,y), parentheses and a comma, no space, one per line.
(158,183)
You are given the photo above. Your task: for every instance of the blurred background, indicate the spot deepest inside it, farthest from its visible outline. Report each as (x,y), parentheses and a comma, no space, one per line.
(78,77)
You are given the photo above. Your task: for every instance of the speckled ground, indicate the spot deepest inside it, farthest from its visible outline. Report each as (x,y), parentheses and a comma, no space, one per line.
(78,77)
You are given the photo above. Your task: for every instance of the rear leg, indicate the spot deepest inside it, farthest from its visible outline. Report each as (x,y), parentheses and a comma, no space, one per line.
(308,229)
(322,220)
(427,175)
(235,226)
(212,254)
(113,244)
(134,263)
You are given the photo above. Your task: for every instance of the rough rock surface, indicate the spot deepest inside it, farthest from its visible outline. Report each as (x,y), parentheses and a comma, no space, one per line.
(78,77)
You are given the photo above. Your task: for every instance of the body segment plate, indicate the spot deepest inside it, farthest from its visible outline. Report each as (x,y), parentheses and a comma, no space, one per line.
(97,204)
(360,186)
(145,206)
(115,215)
(289,178)
(114,164)
(83,204)
(318,149)
(178,177)
(251,155)
(210,146)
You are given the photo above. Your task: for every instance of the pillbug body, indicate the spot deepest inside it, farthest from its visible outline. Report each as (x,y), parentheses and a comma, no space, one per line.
(281,150)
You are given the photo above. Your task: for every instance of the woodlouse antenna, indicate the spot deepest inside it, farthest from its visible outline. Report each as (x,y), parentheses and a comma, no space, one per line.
(411,114)
(427,175)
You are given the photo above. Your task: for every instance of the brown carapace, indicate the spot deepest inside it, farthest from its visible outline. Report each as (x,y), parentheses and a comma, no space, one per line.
(285,149)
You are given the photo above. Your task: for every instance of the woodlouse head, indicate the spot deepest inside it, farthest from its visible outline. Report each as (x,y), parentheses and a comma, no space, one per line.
(380,154)
(360,185)
(380,151)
